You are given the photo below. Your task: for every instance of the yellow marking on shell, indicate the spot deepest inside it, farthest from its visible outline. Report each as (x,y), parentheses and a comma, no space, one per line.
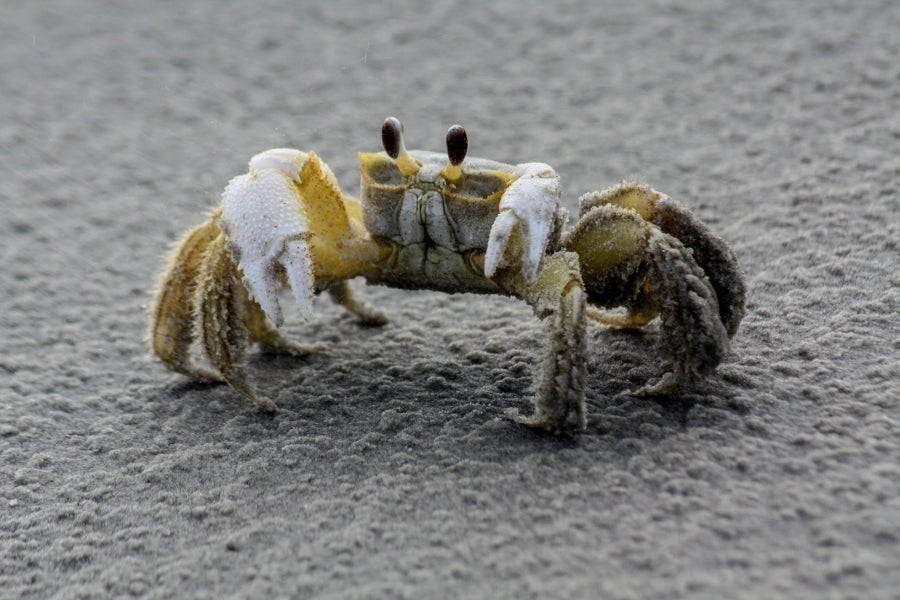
(492,198)
(454,188)
(405,163)
(370,162)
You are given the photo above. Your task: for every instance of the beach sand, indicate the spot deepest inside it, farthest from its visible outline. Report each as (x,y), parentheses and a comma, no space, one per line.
(392,470)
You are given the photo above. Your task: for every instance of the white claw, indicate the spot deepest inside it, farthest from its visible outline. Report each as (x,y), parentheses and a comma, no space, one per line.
(528,206)
(259,279)
(263,220)
(286,160)
(501,231)
(298,265)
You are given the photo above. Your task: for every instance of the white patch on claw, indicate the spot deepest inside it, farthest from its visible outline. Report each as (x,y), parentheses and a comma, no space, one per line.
(263,219)
(529,205)
(286,160)
(298,265)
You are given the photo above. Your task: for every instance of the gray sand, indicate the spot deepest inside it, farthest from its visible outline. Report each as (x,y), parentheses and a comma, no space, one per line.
(391,470)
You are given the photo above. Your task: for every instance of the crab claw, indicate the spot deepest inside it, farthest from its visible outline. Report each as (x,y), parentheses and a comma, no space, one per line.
(262,219)
(527,213)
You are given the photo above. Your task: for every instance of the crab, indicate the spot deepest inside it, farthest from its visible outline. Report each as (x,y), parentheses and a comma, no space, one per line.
(442,221)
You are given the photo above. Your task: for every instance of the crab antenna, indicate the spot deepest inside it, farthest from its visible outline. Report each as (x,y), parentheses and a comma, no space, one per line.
(392,140)
(457,146)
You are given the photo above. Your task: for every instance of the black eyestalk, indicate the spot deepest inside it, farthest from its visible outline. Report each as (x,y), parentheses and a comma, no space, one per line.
(392,136)
(392,140)
(457,144)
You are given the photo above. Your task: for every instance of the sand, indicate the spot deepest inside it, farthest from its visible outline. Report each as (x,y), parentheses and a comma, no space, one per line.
(391,470)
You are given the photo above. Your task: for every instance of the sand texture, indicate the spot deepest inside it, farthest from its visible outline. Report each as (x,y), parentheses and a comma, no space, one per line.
(392,470)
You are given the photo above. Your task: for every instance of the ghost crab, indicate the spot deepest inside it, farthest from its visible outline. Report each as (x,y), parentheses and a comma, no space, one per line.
(445,222)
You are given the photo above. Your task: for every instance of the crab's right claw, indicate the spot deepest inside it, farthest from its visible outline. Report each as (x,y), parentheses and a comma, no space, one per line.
(528,212)
(262,217)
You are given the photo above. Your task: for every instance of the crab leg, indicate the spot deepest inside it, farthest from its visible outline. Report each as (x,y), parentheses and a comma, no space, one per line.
(712,255)
(263,331)
(652,271)
(221,319)
(342,293)
(171,312)
(693,339)
(558,297)
(709,251)
(640,311)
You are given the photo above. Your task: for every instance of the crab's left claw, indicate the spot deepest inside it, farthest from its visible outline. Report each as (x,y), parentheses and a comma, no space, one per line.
(264,218)
(529,211)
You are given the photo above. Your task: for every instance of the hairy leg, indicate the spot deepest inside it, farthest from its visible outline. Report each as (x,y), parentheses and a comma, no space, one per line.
(558,297)
(223,334)
(171,312)
(342,293)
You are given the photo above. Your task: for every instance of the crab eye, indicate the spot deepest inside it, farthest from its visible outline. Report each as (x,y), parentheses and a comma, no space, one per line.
(392,136)
(457,144)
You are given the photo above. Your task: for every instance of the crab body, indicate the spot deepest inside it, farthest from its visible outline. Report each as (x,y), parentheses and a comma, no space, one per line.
(438,229)
(437,232)
(457,225)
